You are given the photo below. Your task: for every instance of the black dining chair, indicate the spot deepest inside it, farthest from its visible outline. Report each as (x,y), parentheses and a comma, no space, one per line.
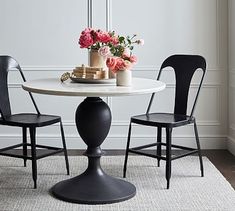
(26,121)
(184,67)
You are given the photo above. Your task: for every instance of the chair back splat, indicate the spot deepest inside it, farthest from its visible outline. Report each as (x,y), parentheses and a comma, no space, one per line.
(184,67)
(7,63)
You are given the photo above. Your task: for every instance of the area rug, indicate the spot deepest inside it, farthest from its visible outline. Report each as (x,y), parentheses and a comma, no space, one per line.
(188,190)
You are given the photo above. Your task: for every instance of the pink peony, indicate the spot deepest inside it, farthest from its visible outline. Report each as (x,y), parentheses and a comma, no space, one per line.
(128,65)
(114,40)
(86,30)
(101,36)
(85,40)
(111,63)
(133,59)
(120,64)
(104,51)
(116,64)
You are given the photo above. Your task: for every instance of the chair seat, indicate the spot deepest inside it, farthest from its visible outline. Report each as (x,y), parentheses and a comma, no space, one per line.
(162,119)
(30,120)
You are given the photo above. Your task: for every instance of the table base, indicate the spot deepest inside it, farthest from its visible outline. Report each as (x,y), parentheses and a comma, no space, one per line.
(93,188)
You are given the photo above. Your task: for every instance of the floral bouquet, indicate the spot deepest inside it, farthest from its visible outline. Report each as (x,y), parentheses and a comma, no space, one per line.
(96,39)
(122,57)
(115,48)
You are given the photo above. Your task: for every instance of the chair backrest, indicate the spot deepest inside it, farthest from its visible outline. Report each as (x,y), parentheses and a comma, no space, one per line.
(184,67)
(7,63)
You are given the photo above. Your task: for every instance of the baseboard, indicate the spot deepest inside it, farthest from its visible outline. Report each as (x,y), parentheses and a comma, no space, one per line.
(118,142)
(231,145)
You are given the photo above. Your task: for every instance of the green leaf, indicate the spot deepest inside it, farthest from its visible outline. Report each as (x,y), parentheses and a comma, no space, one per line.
(121,39)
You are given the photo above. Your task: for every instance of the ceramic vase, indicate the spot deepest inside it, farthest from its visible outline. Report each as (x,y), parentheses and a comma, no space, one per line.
(96,60)
(124,78)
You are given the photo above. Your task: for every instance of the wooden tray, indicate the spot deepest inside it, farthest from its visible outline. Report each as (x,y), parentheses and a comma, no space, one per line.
(93,81)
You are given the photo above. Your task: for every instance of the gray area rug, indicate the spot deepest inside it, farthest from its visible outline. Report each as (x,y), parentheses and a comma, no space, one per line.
(188,190)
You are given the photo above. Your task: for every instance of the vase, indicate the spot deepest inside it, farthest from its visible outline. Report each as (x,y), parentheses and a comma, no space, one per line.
(124,78)
(96,60)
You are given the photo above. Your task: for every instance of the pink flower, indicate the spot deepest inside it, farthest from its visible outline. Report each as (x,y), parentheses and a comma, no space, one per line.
(86,30)
(104,51)
(128,65)
(85,40)
(101,36)
(120,64)
(133,59)
(117,63)
(114,40)
(111,63)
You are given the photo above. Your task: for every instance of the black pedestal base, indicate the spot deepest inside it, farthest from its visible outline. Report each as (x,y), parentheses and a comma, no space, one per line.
(93,120)
(93,189)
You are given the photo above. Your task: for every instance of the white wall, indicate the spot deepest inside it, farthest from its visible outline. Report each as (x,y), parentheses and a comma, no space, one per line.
(231,74)
(42,36)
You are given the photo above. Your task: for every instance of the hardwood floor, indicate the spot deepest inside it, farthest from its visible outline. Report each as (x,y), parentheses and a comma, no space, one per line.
(223,160)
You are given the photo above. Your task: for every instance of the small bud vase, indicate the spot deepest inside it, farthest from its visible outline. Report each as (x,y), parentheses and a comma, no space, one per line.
(124,78)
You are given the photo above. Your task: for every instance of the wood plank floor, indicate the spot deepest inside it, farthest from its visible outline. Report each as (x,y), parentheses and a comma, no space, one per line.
(223,160)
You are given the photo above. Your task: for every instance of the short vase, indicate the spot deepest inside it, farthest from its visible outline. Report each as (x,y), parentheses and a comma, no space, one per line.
(124,78)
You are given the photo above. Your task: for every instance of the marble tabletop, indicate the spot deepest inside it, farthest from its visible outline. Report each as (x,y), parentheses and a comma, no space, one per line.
(53,86)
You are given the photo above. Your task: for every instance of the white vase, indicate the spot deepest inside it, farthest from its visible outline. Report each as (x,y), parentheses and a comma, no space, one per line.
(96,60)
(124,78)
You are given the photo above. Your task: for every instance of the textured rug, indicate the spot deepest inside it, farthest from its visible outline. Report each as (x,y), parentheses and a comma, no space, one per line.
(188,190)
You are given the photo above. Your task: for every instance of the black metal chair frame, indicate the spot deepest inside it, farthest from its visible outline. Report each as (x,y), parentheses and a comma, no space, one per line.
(184,67)
(26,121)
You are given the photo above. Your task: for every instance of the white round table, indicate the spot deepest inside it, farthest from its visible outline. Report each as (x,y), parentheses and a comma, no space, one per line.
(53,86)
(93,120)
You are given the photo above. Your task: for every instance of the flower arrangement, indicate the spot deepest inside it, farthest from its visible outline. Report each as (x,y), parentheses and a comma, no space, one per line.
(122,57)
(95,39)
(115,48)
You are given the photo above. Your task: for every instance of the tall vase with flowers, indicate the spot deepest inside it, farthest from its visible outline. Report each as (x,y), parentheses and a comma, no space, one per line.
(98,42)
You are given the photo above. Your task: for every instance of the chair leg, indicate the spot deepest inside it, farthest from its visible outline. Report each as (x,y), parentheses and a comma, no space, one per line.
(127,150)
(168,156)
(65,148)
(33,153)
(24,132)
(199,148)
(159,147)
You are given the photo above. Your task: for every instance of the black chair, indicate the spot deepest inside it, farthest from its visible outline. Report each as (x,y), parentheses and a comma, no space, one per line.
(26,121)
(184,67)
